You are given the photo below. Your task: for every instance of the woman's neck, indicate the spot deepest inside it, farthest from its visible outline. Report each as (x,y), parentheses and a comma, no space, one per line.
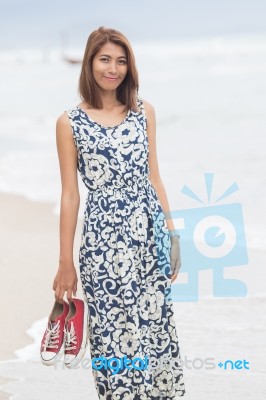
(109,100)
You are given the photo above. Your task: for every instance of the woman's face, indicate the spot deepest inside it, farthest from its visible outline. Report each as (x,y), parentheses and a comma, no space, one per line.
(109,66)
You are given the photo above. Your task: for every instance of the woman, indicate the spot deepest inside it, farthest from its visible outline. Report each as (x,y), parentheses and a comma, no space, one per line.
(126,248)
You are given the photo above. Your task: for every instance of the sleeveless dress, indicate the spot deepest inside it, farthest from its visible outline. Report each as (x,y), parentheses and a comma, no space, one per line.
(124,263)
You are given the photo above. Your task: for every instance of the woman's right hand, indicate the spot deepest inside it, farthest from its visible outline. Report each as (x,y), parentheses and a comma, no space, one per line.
(175,256)
(65,281)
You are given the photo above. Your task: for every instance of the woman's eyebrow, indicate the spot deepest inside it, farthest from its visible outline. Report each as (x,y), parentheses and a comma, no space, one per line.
(106,55)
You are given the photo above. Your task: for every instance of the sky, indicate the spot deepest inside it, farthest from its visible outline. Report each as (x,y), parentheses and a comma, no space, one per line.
(35,23)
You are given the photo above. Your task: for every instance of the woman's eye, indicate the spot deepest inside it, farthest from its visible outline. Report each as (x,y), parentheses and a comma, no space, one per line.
(104,59)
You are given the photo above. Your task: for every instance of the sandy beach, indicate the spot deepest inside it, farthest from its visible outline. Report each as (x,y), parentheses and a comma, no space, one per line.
(29,234)
(29,256)
(29,242)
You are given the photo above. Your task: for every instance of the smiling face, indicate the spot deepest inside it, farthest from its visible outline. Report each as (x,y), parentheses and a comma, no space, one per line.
(109,66)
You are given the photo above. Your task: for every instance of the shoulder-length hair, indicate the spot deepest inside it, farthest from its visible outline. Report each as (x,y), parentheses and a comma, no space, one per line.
(128,90)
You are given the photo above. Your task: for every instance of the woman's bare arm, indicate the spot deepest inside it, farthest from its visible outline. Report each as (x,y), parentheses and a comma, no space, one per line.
(160,190)
(155,177)
(66,278)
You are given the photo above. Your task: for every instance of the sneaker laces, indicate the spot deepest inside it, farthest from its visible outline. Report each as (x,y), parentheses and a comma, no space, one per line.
(52,335)
(70,337)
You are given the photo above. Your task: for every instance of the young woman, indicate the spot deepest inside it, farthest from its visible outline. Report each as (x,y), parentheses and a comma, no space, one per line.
(129,252)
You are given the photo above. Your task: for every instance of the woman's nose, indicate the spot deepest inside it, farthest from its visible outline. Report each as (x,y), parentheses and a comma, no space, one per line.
(112,67)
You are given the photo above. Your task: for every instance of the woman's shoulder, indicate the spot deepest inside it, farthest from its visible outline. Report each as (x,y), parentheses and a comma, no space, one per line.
(148,107)
(66,115)
(63,118)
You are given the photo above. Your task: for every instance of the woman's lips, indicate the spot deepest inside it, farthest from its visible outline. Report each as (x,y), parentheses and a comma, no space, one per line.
(110,79)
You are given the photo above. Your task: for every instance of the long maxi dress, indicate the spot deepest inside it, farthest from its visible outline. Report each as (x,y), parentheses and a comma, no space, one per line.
(124,262)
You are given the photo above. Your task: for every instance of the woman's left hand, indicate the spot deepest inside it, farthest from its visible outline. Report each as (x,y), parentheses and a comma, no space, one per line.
(175,258)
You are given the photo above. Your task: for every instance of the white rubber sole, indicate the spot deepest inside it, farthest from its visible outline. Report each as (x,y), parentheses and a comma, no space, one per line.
(55,359)
(85,338)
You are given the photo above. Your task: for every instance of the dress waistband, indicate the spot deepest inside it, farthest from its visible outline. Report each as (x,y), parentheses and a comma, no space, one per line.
(111,188)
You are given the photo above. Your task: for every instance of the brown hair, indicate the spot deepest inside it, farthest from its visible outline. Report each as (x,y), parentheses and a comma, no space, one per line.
(128,89)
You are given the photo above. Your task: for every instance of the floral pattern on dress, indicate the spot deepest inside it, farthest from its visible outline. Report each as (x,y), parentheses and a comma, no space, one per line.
(124,260)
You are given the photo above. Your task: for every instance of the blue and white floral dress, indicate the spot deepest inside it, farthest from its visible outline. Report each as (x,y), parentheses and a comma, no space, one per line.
(124,261)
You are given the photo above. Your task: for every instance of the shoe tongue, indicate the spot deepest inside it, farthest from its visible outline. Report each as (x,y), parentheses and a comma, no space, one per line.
(52,323)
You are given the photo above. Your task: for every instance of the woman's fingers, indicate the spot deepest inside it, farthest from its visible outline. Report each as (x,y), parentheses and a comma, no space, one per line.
(69,295)
(75,288)
(173,278)
(65,281)
(59,294)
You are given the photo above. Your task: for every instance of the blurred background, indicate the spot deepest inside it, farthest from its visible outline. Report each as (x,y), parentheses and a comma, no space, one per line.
(202,65)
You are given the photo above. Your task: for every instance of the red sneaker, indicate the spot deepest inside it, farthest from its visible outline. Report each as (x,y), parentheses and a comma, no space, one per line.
(53,339)
(76,332)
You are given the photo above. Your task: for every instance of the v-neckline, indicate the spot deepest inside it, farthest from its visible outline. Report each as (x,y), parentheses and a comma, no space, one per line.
(103,126)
